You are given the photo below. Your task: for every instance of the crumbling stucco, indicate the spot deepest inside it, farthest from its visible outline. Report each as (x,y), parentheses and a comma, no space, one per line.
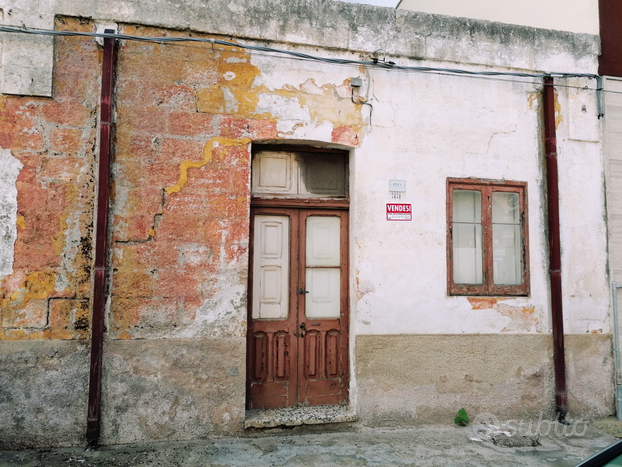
(186,389)
(43,393)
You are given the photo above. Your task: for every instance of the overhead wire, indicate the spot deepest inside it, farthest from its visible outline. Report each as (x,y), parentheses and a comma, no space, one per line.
(374,63)
(379,64)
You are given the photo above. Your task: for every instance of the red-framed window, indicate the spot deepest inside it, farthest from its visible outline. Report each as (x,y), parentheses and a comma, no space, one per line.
(487,247)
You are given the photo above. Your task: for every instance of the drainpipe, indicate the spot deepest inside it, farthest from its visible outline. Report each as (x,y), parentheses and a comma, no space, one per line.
(616,350)
(101,240)
(555,273)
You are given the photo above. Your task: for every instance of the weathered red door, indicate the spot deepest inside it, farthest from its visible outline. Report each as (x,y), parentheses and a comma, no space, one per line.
(298,320)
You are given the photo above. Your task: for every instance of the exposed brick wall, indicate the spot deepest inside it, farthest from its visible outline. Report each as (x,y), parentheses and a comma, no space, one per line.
(185,118)
(186,115)
(177,243)
(47,296)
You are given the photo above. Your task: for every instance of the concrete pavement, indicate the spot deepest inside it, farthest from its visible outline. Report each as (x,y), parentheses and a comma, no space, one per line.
(482,445)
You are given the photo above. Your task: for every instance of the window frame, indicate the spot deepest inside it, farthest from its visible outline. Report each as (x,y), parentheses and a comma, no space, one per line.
(486,188)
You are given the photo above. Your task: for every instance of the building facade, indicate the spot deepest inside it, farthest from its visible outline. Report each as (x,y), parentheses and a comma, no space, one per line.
(299,216)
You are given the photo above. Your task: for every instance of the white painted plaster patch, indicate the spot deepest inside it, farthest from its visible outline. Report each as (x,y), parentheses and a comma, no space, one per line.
(236,60)
(229,75)
(192,254)
(230,101)
(287,108)
(122,194)
(321,131)
(70,250)
(223,309)
(11,166)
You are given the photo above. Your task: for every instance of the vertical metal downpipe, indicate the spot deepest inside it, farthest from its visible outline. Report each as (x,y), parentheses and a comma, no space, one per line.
(555,273)
(101,239)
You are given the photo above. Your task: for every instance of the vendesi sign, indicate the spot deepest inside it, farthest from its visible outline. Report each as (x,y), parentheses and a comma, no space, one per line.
(399,212)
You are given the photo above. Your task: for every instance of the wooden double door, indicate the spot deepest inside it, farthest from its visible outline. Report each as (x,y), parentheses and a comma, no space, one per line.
(298,308)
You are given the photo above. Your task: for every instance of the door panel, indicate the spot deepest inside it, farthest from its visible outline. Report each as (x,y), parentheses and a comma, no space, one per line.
(323,311)
(271,267)
(298,356)
(323,267)
(271,369)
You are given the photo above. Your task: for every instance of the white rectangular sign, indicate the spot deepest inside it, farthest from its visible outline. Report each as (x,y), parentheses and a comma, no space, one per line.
(397,185)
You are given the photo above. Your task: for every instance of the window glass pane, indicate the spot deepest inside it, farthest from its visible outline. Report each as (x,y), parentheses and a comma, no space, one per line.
(323,241)
(506,240)
(505,209)
(467,236)
(324,297)
(467,206)
(467,253)
(322,174)
(506,254)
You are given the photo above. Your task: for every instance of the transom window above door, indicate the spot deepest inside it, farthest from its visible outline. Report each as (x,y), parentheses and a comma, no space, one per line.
(487,250)
(299,174)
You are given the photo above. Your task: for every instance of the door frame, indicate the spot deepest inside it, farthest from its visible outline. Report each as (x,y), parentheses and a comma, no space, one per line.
(279,206)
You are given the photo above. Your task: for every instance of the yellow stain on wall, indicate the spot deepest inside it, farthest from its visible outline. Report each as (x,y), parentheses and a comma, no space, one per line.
(532,97)
(207,157)
(21,335)
(325,104)
(37,285)
(234,93)
(21,223)
(237,92)
(558,112)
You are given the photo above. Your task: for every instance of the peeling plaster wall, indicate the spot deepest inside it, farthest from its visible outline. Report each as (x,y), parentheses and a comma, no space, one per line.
(186,119)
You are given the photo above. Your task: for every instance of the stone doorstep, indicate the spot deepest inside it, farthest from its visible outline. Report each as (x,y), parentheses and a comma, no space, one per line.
(295,416)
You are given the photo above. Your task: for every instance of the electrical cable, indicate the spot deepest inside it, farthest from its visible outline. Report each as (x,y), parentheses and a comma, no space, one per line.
(359,101)
(374,63)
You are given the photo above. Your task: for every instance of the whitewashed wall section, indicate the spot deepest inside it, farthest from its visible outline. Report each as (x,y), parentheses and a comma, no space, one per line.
(10,168)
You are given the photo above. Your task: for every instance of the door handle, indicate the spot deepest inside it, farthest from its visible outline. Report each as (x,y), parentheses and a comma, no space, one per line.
(302,291)
(303,330)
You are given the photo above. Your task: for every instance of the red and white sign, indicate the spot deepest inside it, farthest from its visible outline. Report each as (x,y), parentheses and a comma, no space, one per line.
(399,212)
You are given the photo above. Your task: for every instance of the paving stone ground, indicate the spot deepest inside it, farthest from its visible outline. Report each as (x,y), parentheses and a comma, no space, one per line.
(558,445)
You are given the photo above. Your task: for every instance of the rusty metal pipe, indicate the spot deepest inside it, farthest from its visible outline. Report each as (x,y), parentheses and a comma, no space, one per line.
(555,273)
(101,240)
